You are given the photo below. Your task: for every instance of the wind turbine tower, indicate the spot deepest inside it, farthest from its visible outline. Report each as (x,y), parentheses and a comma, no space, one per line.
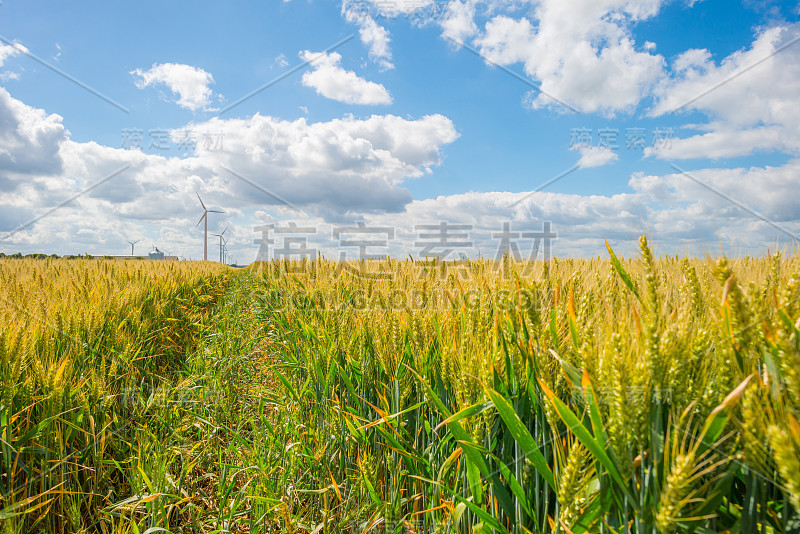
(206,211)
(221,258)
(132,244)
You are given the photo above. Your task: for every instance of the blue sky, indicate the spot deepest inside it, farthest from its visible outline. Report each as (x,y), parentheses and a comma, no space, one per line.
(400,125)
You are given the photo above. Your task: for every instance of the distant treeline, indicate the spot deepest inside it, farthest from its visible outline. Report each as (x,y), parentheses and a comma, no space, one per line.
(20,256)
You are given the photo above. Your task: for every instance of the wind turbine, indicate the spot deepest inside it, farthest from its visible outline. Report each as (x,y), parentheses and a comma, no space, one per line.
(206,211)
(224,251)
(221,260)
(132,243)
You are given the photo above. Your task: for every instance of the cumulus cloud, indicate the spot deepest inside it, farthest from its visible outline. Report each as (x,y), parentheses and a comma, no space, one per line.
(456,18)
(582,51)
(30,141)
(332,81)
(386,9)
(342,171)
(374,36)
(398,7)
(191,84)
(584,54)
(325,169)
(681,215)
(345,170)
(595,156)
(7,51)
(458,21)
(764,190)
(750,97)
(382,149)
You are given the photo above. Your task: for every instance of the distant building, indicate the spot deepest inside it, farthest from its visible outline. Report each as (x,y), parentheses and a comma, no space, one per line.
(156,255)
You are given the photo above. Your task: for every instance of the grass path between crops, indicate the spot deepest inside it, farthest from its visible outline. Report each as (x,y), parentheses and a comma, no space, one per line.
(275,458)
(250,428)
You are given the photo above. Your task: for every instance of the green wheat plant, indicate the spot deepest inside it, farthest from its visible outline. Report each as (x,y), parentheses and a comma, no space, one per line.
(615,395)
(598,395)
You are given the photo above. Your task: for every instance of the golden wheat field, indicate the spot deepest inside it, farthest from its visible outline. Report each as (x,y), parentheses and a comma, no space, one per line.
(601,395)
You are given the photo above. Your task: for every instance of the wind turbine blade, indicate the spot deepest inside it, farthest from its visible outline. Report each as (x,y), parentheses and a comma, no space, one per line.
(201,200)
(215,211)
(201,220)
(223,232)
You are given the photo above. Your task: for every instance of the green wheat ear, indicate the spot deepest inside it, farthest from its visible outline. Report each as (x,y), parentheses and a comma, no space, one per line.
(338,416)
(786,450)
(572,482)
(674,494)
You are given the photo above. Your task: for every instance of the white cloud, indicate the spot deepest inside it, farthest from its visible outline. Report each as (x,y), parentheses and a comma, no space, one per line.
(191,84)
(307,160)
(327,169)
(373,35)
(725,142)
(582,223)
(344,170)
(332,81)
(7,51)
(376,37)
(596,156)
(581,51)
(388,9)
(765,190)
(30,141)
(281,60)
(458,22)
(750,97)
(679,215)
(405,7)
